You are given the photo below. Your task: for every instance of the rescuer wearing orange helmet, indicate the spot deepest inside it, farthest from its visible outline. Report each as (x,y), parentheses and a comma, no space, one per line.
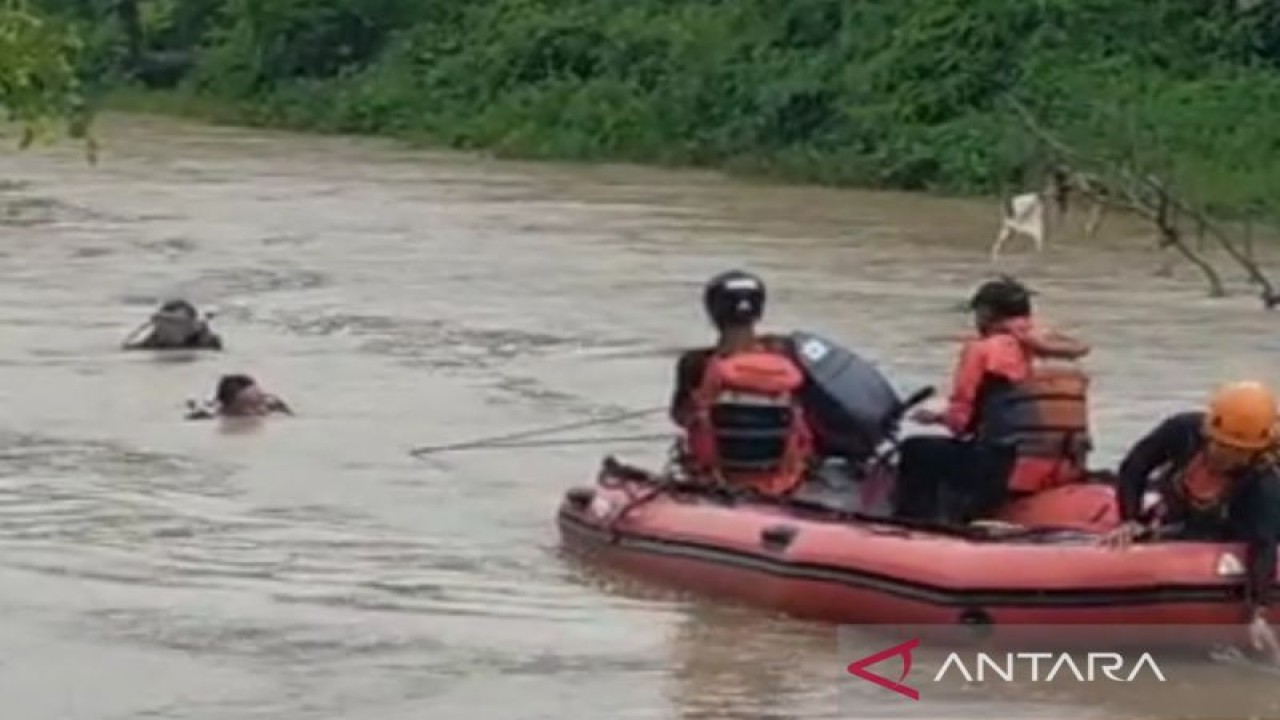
(1218,480)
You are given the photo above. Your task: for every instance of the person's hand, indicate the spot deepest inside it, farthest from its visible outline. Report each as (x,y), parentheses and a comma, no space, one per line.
(925,416)
(275,404)
(199,411)
(1121,537)
(1263,638)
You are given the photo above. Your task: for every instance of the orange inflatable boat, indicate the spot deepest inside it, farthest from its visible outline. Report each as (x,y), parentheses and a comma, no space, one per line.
(1043,566)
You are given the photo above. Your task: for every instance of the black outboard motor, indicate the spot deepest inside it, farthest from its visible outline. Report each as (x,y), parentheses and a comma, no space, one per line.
(853,405)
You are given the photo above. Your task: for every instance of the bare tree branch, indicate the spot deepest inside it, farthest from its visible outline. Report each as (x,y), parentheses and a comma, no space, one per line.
(1121,184)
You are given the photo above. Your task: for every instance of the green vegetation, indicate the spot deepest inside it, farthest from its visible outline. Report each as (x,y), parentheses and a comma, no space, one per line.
(908,94)
(39,86)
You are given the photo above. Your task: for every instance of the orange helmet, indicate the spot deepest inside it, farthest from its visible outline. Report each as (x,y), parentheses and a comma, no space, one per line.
(1242,415)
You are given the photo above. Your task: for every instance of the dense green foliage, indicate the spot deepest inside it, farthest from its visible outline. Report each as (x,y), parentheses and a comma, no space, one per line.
(907,94)
(39,87)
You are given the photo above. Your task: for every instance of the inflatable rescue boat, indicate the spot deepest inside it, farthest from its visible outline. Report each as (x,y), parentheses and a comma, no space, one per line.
(825,565)
(830,554)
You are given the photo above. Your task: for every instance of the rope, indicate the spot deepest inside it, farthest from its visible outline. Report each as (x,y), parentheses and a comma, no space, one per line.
(508,439)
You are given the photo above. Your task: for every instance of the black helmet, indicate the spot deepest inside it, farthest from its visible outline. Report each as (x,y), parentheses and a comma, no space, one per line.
(734,298)
(178,307)
(1003,297)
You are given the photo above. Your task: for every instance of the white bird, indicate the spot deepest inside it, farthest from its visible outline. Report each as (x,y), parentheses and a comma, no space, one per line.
(1023,215)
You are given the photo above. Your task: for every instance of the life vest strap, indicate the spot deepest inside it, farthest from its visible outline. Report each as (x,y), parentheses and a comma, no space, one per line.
(750,397)
(751,433)
(1031,396)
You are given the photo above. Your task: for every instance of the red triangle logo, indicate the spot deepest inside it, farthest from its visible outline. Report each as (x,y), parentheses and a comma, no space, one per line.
(859,668)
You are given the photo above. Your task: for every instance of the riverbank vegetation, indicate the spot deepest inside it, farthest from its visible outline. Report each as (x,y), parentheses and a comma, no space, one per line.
(39,83)
(1162,99)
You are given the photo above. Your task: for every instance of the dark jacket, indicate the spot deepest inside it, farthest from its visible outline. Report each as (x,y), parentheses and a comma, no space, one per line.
(1249,511)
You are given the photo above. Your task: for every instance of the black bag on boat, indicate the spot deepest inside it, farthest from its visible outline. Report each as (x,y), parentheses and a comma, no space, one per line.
(853,405)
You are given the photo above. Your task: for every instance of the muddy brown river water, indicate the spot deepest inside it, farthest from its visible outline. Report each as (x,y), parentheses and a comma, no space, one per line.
(155,568)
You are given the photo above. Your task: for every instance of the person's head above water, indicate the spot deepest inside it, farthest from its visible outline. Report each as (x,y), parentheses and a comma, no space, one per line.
(999,300)
(734,300)
(1240,424)
(179,307)
(176,321)
(239,395)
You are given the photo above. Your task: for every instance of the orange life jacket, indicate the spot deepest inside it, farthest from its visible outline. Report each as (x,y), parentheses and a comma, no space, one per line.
(1046,418)
(748,425)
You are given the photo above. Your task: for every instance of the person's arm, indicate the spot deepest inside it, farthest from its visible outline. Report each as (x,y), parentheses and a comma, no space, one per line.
(966,380)
(1159,447)
(147,342)
(1045,342)
(689,370)
(996,355)
(134,340)
(1260,528)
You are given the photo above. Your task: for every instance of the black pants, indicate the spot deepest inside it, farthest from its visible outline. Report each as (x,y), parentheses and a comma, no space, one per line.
(943,479)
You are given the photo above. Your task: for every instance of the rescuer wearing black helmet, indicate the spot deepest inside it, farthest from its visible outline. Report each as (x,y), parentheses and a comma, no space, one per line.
(734,302)
(738,401)
(176,325)
(734,299)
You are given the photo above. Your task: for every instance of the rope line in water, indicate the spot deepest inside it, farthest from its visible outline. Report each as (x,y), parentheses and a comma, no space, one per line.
(507,439)
(554,442)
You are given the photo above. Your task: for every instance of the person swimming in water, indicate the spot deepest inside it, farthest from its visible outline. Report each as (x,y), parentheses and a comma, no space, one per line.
(238,395)
(177,325)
